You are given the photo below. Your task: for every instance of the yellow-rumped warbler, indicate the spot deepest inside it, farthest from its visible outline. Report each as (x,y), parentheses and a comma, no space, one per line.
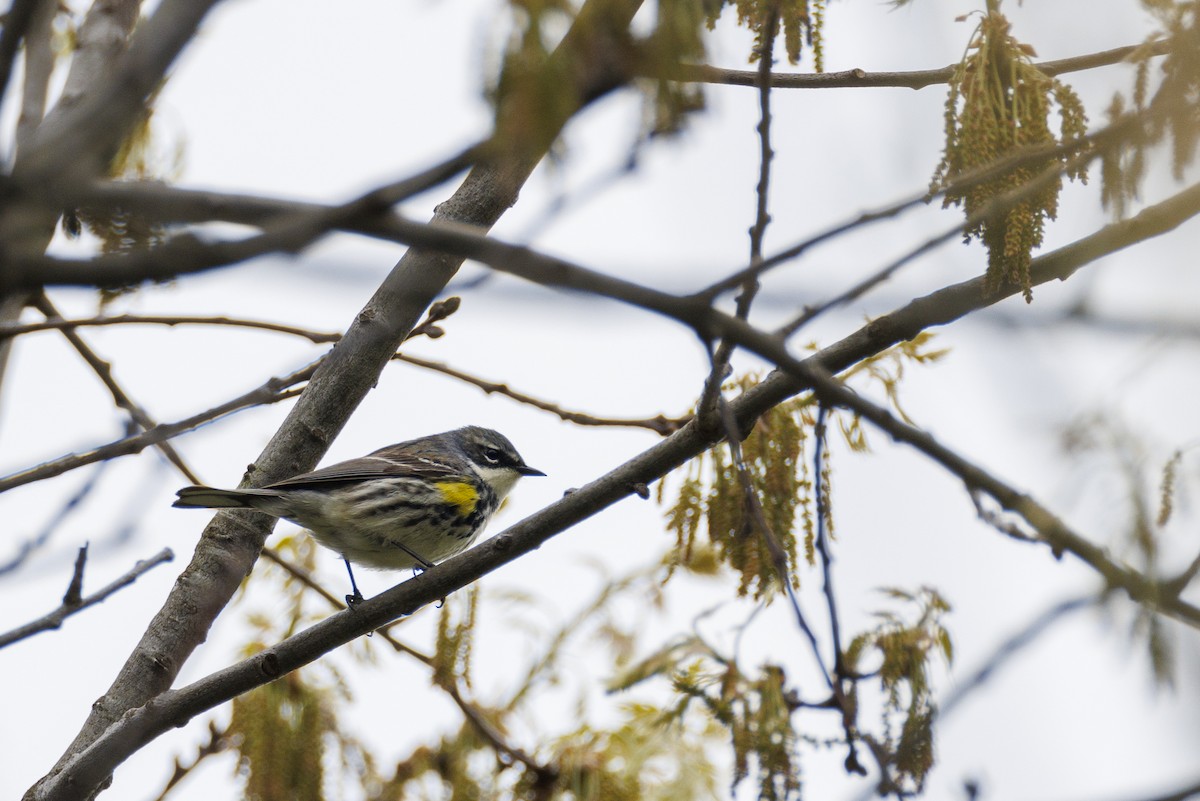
(410,504)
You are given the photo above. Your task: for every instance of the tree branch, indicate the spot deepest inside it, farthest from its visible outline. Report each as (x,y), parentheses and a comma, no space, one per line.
(31,545)
(107,88)
(470,711)
(230,544)
(218,741)
(186,254)
(1010,647)
(660,424)
(272,391)
(706,408)
(73,602)
(103,371)
(919,79)
(174,707)
(39,61)
(939,308)
(11,330)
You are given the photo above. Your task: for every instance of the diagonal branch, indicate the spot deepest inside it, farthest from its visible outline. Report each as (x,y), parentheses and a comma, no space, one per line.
(90,764)
(230,544)
(1009,648)
(470,711)
(218,741)
(104,371)
(100,105)
(186,253)
(660,424)
(30,546)
(273,391)
(74,602)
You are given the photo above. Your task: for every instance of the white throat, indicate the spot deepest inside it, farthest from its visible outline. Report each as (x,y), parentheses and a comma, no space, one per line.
(500,479)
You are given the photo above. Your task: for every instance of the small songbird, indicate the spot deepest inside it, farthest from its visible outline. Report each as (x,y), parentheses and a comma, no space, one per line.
(406,505)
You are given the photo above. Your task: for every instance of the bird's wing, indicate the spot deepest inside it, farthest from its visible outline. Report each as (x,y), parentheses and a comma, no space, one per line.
(368,467)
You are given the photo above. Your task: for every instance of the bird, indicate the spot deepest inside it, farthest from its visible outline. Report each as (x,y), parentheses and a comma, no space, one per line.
(408,505)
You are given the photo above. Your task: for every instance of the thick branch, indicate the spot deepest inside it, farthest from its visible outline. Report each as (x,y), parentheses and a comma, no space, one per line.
(186,253)
(470,711)
(175,707)
(99,106)
(230,544)
(939,308)
(39,62)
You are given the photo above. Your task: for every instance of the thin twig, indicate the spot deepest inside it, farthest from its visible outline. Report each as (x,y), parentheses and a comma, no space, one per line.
(74,594)
(72,602)
(1177,585)
(470,711)
(659,424)
(998,205)
(103,370)
(16,329)
(218,742)
(843,681)
(31,545)
(779,557)
(1009,648)
(1085,147)
(273,391)
(918,79)
(707,405)
(543,772)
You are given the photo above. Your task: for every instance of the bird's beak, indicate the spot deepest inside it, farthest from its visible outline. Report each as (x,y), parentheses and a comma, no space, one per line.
(526,470)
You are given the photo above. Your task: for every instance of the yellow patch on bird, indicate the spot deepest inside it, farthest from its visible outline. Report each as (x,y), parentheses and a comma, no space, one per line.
(460,494)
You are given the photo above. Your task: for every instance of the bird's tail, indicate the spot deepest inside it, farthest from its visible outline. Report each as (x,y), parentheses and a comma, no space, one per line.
(211,498)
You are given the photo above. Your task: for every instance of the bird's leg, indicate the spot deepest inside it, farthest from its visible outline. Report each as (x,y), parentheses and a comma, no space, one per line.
(357,597)
(422,564)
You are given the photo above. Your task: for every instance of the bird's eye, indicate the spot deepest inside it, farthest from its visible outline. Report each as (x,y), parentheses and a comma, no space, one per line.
(492,455)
